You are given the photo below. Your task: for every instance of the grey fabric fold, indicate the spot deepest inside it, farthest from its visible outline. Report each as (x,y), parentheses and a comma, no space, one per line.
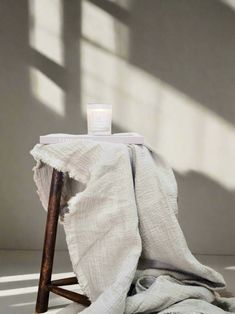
(119,211)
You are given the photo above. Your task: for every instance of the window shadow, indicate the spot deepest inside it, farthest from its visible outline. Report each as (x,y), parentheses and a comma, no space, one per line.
(206,212)
(189,45)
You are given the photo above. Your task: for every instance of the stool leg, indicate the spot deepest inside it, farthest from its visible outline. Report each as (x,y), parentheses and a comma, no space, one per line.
(49,241)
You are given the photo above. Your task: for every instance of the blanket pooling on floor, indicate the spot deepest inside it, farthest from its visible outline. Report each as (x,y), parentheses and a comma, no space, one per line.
(119,206)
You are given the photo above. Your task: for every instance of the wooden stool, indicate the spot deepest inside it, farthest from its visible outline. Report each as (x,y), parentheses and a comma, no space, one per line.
(45,284)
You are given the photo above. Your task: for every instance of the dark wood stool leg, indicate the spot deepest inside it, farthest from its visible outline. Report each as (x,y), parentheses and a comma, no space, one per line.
(49,241)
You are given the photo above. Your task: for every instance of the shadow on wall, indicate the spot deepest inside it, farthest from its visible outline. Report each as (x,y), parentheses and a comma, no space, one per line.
(205,213)
(168,69)
(189,45)
(39,95)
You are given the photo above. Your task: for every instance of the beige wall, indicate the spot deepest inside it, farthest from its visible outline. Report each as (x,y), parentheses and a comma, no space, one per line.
(168,68)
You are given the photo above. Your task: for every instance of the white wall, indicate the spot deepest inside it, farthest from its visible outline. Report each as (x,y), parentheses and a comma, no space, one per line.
(38,96)
(168,68)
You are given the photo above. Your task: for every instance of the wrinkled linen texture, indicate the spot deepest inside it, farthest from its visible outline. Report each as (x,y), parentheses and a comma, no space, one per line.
(119,211)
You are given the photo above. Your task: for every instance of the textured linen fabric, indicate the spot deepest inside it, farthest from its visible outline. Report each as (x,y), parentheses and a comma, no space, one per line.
(118,207)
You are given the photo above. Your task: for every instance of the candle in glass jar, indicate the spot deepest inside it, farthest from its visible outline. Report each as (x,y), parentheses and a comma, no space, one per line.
(99,119)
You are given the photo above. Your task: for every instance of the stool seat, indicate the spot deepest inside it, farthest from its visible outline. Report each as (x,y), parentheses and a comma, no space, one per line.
(124,138)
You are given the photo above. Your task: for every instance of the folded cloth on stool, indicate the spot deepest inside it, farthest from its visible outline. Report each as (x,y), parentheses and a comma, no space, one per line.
(118,207)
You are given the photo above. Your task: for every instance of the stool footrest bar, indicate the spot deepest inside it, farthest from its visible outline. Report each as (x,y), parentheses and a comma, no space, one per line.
(73,296)
(64,281)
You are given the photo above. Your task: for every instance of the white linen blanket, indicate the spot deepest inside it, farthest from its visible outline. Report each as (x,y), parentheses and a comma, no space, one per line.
(119,207)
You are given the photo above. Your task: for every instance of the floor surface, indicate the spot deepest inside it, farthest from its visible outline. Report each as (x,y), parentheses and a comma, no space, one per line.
(19,278)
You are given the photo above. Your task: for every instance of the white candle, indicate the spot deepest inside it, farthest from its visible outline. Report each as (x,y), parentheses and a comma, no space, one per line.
(99,119)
